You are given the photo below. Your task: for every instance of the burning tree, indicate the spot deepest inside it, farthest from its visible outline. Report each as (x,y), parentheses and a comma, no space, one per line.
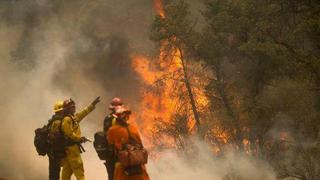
(175,96)
(177,38)
(172,30)
(254,87)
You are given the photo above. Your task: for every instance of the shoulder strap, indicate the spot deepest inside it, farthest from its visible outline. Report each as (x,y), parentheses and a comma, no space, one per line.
(114,121)
(60,128)
(50,121)
(108,122)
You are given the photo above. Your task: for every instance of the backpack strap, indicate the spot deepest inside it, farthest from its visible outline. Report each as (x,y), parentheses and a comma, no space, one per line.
(50,121)
(109,121)
(60,127)
(114,121)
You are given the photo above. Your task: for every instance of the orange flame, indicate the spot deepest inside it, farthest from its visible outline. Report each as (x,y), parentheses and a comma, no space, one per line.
(159,8)
(162,91)
(155,105)
(163,88)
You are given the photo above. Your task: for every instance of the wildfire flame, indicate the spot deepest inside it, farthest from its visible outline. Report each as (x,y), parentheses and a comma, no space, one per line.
(156,104)
(160,95)
(163,86)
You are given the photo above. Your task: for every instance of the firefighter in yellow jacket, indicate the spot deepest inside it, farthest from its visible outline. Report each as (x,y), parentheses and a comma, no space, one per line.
(72,163)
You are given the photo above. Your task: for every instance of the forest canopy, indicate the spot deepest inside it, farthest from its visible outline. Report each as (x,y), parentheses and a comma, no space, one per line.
(261,62)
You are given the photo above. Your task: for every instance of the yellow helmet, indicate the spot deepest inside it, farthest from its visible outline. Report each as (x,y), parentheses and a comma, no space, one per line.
(58,106)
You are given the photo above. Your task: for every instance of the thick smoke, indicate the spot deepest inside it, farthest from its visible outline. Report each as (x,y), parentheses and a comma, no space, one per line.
(203,165)
(52,50)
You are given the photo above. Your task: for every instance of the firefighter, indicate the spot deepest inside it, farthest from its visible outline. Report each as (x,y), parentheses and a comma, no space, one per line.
(54,154)
(109,121)
(72,163)
(119,137)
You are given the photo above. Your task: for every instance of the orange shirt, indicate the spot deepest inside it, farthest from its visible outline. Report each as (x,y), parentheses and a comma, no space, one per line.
(118,136)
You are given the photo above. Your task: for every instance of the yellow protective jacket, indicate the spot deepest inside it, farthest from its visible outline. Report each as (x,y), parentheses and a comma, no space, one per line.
(70,124)
(72,163)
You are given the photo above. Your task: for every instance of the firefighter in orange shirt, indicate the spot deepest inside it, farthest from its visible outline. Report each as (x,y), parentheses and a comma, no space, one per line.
(118,136)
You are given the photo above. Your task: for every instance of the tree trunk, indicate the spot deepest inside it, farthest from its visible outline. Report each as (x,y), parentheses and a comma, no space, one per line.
(190,94)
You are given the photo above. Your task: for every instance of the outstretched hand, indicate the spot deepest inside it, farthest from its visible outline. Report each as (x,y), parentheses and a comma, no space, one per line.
(96,101)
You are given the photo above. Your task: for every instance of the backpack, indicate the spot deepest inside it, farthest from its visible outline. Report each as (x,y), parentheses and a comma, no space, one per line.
(49,142)
(100,143)
(133,153)
(57,142)
(41,140)
(101,146)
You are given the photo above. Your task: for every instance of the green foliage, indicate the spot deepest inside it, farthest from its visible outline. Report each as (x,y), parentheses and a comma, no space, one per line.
(273,49)
(265,59)
(175,29)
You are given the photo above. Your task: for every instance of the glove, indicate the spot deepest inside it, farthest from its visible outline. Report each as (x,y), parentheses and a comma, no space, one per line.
(96,101)
(84,139)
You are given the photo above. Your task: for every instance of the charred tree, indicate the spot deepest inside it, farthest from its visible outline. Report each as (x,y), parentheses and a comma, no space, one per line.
(190,93)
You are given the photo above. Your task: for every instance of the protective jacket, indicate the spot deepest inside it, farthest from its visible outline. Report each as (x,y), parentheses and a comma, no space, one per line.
(72,163)
(118,136)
